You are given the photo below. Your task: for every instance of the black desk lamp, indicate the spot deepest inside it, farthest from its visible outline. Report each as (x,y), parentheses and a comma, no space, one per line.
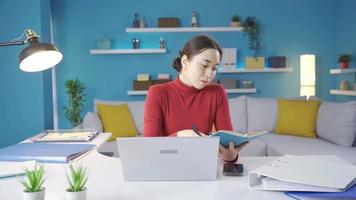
(37,56)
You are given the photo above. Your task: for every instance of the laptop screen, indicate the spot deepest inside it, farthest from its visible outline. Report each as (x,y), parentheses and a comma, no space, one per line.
(168,158)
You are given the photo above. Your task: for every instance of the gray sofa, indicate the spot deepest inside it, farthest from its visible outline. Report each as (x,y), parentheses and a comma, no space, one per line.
(336,128)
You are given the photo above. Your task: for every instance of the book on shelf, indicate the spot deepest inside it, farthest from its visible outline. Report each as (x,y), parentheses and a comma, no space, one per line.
(45,152)
(236,137)
(65,135)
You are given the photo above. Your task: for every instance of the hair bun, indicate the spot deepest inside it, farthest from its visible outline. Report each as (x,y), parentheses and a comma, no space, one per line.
(177,64)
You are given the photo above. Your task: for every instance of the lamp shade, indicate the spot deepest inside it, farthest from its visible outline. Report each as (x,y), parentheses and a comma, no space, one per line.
(39,56)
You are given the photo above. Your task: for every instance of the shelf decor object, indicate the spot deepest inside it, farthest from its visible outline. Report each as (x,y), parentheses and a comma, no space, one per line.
(228,91)
(235,21)
(184,29)
(277,61)
(127,51)
(307,75)
(265,70)
(344,60)
(255,62)
(253,29)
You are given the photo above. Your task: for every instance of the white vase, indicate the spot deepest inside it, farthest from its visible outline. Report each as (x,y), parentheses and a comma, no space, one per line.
(40,195)
(81,195)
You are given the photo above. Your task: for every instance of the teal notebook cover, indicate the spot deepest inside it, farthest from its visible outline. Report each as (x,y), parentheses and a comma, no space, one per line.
(44,152)
(236,137)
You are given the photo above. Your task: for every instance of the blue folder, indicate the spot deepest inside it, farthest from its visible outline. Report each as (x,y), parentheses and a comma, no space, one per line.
(348,194)
(44,152)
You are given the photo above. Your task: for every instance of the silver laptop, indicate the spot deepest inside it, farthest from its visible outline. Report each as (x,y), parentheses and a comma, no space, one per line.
(169,158)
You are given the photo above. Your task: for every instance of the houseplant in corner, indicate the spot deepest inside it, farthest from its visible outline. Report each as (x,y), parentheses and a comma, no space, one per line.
(77,178)
(252,28)
(344,60)
(33,186)
(235,21)
(76,97)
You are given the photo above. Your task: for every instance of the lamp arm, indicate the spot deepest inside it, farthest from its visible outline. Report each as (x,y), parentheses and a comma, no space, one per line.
(12,43)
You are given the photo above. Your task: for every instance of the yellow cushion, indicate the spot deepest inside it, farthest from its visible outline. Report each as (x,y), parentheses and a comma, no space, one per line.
(117,119)
(297,117)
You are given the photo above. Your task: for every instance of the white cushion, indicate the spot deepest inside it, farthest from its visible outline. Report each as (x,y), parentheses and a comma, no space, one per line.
(238,113)
(136,108)
(337,122)
(278,145)
(262,114)
(92,121)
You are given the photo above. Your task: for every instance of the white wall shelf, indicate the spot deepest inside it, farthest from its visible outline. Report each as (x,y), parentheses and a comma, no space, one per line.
(184,29)
(137,92)
(343,92)
(127,51)
(241,90)
(265,70)
(342,71)
(229,91)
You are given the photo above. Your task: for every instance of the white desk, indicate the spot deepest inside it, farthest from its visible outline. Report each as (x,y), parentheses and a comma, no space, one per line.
(106,183)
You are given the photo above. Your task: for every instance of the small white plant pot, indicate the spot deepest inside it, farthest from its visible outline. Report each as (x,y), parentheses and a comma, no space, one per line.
(40,195)
(81,195)
(235,24)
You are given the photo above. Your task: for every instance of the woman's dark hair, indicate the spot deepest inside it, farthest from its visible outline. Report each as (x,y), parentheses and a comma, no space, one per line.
(195,46)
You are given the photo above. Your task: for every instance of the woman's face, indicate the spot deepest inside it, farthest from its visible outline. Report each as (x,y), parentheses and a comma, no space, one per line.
(200,70)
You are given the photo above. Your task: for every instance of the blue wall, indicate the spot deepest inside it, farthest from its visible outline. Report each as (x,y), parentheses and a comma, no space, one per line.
(290,28)
(22,94)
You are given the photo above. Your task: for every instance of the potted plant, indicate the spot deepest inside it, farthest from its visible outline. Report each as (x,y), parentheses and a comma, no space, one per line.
(77,178)
(252,28)
(235,21)
(344,60)
(33,186)
(76,96)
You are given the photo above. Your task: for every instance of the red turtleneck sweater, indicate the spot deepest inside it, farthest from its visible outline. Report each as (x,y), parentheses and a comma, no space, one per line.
(174,106)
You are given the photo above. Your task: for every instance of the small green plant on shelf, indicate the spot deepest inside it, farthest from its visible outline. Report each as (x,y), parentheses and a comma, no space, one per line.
(35,179)
(77,178)
(75,90)
(235,18)
(235,21)
(345,57)
(253,29)
(344,60)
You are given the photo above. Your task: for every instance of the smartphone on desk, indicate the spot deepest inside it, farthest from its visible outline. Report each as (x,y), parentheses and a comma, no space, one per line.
(232,169)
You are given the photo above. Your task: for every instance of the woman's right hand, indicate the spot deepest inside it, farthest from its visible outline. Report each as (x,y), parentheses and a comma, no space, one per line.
(189,133)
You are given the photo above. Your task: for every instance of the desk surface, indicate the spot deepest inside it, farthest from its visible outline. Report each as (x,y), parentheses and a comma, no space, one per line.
(106,183)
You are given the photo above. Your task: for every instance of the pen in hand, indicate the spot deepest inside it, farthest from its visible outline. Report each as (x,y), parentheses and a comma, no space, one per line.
(195,129)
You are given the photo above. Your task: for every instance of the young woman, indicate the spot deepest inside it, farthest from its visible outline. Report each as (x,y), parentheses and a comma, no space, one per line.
(172,108)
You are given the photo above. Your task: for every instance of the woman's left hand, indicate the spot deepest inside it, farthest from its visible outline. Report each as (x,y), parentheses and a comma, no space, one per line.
(231,152)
